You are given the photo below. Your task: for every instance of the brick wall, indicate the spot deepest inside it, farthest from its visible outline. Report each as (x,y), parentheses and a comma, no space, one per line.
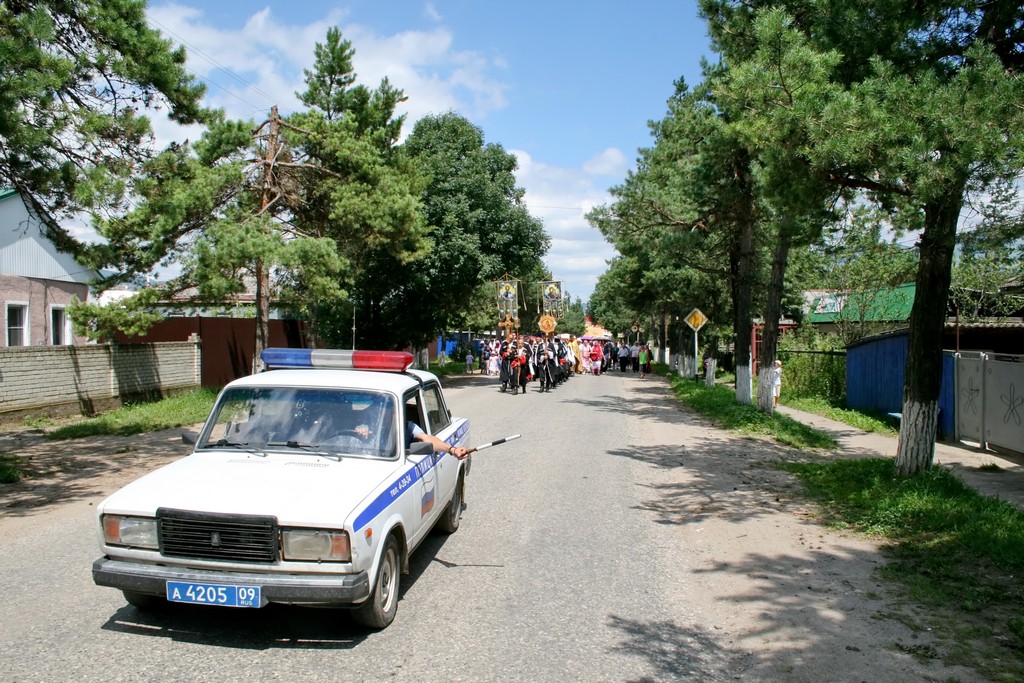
(81,378)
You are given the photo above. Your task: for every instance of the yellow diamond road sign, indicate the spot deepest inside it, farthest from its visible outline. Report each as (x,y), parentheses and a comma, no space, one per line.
(696,319)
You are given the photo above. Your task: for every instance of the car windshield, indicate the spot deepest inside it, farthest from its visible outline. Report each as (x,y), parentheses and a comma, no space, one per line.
(317,421)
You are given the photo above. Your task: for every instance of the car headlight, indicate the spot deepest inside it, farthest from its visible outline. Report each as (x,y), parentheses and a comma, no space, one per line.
(133,532)
(315,545)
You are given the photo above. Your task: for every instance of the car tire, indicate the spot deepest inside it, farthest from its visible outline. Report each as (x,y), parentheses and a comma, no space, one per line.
(379,609)
(144,601)
(449,521)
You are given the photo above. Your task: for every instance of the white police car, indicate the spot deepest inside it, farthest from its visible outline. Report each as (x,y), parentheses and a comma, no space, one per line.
(303,488)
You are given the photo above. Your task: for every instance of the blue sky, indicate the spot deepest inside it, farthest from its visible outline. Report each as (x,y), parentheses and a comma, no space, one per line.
(568,87)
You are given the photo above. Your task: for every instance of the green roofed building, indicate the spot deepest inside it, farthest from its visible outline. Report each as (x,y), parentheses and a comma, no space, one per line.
(853,315)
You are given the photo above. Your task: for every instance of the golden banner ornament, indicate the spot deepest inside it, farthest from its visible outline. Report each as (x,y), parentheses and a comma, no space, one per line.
(547,324)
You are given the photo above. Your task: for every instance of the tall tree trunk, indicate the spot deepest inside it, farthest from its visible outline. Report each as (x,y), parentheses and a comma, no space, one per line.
(923,376)
(772,313)
(663,338)
(742,266)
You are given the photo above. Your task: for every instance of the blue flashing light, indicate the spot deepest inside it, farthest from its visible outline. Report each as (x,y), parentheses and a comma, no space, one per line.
(287,358)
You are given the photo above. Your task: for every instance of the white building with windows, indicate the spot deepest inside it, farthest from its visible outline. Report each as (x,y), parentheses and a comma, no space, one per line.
(37,282)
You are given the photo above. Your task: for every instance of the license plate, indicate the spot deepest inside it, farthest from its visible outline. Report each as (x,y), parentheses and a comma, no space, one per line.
(224,595)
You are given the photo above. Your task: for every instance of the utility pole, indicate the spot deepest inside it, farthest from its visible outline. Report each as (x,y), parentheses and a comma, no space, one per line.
(262,271)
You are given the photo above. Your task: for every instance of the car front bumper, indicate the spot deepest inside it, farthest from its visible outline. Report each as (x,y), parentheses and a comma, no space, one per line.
(150,579)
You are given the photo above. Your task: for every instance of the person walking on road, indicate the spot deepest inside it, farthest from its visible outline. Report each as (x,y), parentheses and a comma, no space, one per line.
(644,357)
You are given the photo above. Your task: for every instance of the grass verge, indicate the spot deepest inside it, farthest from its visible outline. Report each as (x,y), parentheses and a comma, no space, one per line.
(719,404)
(957,553)
(451,369)
(10,469)
(854,418)
(173,411)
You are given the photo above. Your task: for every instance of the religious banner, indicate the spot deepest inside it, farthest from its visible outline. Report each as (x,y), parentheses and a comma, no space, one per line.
(551,297)
(508,298)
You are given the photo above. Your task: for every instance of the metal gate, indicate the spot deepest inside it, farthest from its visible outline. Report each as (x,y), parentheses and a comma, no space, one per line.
(990,399)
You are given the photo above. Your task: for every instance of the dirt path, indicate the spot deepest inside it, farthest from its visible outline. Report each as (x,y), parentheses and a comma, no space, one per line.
(62,476)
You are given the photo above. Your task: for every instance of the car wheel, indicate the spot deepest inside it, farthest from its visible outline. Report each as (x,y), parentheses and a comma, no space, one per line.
(144,601)
(379,609)
(449,521)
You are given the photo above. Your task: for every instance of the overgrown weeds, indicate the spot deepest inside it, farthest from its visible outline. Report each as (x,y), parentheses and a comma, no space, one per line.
(167,413)
(10,469)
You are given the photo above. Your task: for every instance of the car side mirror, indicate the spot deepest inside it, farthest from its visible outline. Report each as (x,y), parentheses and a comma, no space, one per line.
(190,438)
(420,448)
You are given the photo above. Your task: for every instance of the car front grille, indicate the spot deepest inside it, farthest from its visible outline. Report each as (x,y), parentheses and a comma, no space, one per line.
(202,536)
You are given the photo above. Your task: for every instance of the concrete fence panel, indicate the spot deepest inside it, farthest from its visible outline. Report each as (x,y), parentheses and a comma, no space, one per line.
(81,378)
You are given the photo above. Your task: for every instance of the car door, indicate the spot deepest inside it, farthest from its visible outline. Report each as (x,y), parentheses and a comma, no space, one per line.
(442,426)
(424,465)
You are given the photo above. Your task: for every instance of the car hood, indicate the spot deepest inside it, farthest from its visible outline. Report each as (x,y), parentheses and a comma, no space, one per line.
(306,490)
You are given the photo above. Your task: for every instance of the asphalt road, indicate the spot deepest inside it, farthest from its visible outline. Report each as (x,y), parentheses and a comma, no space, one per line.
(620,539)
(556,574)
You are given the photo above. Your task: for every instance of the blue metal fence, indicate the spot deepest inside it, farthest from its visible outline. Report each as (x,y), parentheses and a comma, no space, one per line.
(874,379)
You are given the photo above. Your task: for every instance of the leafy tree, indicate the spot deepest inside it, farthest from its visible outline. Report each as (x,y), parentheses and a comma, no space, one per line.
(918,104)
(607,305)
(76,82)
(197,209)
(860,270)
(575,319)
(986,286)
(988,270)
(295,211)
(480,229)
(366,196)
(687,219)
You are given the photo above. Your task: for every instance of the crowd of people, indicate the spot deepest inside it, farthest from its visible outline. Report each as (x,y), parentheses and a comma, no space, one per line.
(516,361)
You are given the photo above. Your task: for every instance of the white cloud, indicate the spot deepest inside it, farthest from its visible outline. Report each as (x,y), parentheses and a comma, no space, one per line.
(259,62)
(431,12)
(561,198)
(610,162)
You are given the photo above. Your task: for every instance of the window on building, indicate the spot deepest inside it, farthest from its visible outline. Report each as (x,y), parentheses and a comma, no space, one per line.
(58,326)
(17,325)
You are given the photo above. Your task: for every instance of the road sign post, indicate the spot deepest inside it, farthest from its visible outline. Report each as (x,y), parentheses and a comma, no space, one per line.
(695,321)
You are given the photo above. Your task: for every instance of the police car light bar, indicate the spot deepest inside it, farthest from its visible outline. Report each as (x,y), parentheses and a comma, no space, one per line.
(388,361)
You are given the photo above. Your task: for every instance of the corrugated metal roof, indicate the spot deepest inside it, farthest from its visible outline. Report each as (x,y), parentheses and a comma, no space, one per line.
(886,305)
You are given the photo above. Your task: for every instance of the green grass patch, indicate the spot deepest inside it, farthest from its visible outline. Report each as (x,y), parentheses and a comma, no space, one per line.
(719,404)
(10,469)
(854,418)
(38,422)
(451,368)
(136,418)
(954,551)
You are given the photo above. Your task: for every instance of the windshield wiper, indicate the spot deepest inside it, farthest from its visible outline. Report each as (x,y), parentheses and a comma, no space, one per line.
(241,445)
(302,445)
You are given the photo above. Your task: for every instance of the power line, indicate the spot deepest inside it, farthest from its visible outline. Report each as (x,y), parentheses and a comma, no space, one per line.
(223,68)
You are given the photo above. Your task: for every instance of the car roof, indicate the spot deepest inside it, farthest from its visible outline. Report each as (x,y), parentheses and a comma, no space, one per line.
(393,382)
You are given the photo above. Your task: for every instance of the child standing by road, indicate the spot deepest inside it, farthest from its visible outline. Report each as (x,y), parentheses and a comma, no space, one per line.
(776,381)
